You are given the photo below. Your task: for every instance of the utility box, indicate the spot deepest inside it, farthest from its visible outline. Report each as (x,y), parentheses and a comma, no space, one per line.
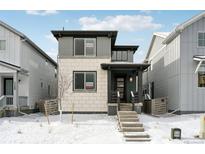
(159,106)
(202,127)
(176,133)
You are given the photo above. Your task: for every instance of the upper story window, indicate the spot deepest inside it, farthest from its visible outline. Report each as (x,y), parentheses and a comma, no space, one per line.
(85,47)
(2,44)
(119,55)
(201,39)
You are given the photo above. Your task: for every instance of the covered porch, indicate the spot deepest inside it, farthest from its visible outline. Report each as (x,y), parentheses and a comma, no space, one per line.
(124,84)
(9,87)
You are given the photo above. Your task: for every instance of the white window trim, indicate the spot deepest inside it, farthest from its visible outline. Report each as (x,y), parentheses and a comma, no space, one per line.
(85,90)
(5,44)
(198,39)
(85,54)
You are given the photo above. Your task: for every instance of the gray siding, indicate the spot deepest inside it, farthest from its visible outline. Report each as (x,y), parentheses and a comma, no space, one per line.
(130,56)
(12,52)
(166,73)
(66,48)
(40,70)
(156,45)
(192,97)
(103,47)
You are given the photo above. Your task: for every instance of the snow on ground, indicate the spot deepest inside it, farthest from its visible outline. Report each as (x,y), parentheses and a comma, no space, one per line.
(92,128)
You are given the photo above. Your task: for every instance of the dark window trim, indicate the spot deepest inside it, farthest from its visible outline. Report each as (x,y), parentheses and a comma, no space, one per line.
(200,73)
(84,53)
(4,90)
(200,39)
(84,90)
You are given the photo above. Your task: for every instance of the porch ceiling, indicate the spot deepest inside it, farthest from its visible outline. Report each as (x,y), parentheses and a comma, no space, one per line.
(132,66)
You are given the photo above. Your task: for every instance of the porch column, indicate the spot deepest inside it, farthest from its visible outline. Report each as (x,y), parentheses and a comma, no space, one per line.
(140,93)
(15,88)
(109,85)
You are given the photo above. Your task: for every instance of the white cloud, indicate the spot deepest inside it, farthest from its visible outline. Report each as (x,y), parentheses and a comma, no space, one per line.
(119,22)
(41,12)
(51,38)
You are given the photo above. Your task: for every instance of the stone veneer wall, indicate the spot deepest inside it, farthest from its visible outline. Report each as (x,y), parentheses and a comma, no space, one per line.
(85,101)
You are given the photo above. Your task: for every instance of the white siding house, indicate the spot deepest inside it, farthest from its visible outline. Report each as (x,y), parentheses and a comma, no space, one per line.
(27,74)
(175,71)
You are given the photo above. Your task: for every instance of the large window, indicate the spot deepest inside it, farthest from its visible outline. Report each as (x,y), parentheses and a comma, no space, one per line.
(84,81)
(201,39)
(201,79)
(120,55)
(85,47)
(2,44)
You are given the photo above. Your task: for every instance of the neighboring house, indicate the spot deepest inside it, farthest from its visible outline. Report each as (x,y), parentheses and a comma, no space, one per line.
(27,74)
(177,68)
(98,69)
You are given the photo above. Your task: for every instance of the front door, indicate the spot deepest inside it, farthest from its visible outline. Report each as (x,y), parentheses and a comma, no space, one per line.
(120,86)
(8,90)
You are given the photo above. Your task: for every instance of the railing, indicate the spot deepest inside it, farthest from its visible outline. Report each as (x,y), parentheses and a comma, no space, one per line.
(118,100)
(2,102)
(115,98)
(9,99)
(134,99)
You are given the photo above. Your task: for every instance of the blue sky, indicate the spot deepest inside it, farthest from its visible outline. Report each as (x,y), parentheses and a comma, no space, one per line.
(135,27)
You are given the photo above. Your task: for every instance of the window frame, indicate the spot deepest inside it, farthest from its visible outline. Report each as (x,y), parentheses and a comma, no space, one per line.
(115,59)
(85,90)
(198,39)
(198,84)
(5,44)
(85,52)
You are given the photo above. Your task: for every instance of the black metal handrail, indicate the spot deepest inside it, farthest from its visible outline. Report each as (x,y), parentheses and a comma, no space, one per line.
(134,99)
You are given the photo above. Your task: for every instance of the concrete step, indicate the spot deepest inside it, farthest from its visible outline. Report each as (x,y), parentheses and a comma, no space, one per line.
(125,109)
(136,135)
(125,104)
(128,119)
(132,129)
(128,116)
(138,139)
(127,112)
(131,124)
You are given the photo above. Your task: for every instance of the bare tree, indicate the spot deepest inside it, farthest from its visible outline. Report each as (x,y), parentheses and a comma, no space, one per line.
(64,83)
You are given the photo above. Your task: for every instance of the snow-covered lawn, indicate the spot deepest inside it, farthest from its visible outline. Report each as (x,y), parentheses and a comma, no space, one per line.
(92,128)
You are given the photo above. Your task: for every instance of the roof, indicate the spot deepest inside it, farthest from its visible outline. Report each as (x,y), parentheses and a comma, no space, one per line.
(160,34)
(182,26)
(125,48)
(84,33)
(29,41)
(132,66)
(12,66)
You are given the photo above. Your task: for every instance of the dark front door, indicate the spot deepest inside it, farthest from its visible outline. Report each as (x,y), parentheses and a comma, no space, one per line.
(8,90)
(120,86)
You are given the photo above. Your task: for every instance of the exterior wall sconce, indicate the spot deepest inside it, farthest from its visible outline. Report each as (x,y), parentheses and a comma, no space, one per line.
(130,79)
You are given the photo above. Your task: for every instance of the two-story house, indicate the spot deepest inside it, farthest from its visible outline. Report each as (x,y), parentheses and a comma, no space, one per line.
(27,74)
(177,68)
(101,72)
